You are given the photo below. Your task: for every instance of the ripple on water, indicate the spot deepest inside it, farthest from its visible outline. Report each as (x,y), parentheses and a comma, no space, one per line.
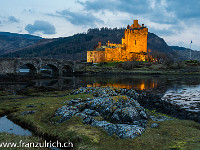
(10,127)
(187,98)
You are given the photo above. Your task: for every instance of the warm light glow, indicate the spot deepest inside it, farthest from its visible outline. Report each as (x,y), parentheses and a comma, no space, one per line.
(138,86)
(142,86)
(133,47)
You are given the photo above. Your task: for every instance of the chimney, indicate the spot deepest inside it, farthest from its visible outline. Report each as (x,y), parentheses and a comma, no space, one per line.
(99,44)
(142,25)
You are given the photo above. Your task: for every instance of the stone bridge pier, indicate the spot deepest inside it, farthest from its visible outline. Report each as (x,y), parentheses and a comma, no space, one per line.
(35,65)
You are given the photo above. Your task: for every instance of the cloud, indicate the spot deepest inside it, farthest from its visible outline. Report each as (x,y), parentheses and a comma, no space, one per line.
(13,19)
(184,9)
(155,10)
(166,32)
(28,11)
(79,18)
(160,11)
(131,6)
(98,5)
(41,26)
(8,19)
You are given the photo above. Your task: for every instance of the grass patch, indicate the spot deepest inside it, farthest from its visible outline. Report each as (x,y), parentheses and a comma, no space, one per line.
(144,68)
(4,93)
(108,64)
(172,134)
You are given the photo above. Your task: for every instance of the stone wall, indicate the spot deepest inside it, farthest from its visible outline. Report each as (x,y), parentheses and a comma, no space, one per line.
(95,56)
(7,66)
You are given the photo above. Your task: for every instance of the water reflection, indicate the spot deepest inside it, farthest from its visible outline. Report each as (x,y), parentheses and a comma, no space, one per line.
(129,82)
(161,83)
(138,86)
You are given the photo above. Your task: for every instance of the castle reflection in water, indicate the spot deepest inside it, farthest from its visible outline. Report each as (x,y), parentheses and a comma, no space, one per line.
(138,86)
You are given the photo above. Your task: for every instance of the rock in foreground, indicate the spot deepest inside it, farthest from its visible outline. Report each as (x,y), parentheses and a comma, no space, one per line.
(121,114)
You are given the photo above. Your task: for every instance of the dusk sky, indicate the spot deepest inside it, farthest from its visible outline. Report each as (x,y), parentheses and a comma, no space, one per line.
(177,21)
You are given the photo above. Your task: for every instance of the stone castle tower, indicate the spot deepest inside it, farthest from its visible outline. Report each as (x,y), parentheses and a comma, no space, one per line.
(135,38)
(133,47)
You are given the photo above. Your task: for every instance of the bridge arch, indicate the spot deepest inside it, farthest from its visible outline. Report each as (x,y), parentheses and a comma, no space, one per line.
(31,67)
(50,69)
(67,69)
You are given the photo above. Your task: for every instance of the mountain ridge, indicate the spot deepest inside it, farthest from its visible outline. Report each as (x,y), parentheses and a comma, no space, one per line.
(27,36)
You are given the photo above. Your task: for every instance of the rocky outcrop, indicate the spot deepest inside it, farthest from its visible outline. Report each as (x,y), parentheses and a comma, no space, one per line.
(122,115)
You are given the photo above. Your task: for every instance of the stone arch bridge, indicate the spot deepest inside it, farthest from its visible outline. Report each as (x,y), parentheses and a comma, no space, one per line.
(58,66)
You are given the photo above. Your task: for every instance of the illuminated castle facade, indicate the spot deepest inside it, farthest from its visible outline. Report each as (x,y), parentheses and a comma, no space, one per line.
(133,47)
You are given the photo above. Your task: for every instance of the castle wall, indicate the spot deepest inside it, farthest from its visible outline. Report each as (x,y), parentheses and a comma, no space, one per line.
(113,54)
(95,56)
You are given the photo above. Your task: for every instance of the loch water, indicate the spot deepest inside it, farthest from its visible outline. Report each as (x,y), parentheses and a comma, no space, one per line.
(182,90)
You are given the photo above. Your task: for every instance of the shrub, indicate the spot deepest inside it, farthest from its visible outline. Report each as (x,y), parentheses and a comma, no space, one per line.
(102,64)
(148,64)
(180,65)
(192,62)
(129,65)
(119,65)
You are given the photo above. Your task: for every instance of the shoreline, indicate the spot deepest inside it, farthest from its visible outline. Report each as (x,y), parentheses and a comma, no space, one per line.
(138,73)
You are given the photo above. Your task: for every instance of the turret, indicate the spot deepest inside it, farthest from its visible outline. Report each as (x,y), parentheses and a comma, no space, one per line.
(135,24)
(99,44)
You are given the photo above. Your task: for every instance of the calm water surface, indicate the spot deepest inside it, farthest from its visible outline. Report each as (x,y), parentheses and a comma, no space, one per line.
(12,128)
(182,90)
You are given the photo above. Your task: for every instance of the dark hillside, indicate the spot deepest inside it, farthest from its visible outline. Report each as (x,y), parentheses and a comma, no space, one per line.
(13,42)
(26,36)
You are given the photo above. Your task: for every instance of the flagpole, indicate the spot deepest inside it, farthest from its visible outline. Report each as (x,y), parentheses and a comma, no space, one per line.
(190,50)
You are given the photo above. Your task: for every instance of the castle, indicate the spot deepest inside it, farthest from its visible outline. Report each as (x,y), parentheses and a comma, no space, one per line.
(133,47)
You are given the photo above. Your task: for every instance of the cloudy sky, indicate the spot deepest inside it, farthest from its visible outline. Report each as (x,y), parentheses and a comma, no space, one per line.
(177,21)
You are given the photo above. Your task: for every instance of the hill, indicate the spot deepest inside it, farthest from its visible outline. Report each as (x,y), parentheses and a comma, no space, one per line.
(178,48)
(26,36)
(75,47)
(184,53)
(13,41)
